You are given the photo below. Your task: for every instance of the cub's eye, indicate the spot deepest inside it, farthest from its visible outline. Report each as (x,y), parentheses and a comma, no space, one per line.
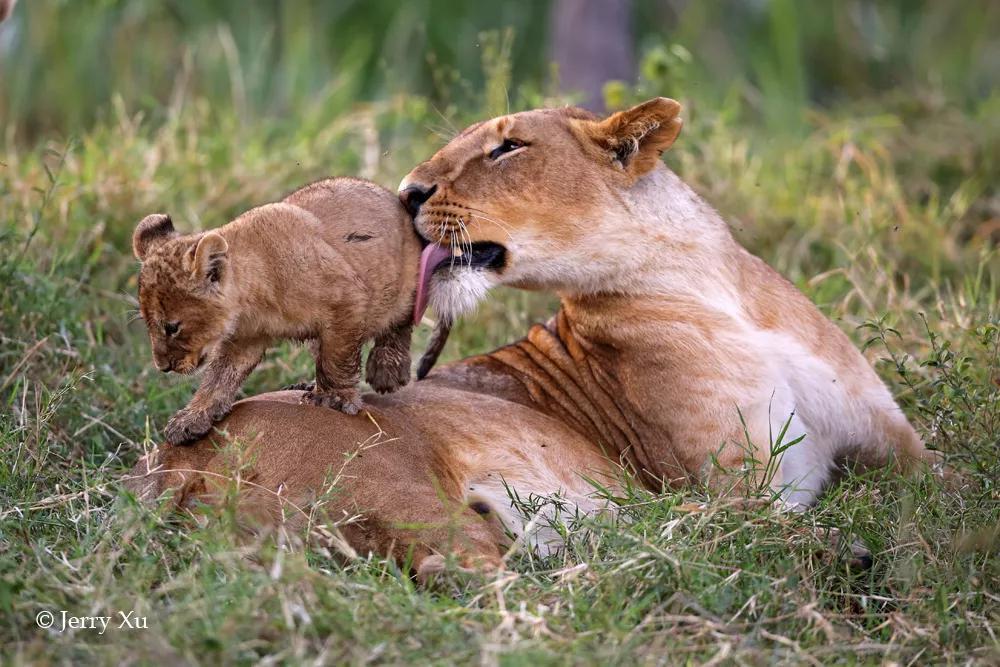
(171,328)
(507,146)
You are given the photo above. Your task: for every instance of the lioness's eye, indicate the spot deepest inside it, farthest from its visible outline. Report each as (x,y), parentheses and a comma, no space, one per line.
(507,146)
(171,328)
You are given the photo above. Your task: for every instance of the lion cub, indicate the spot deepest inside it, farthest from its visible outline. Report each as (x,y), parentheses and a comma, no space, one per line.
(334,263)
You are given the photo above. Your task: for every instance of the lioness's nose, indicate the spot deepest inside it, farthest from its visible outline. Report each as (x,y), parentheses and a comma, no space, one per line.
(414,195)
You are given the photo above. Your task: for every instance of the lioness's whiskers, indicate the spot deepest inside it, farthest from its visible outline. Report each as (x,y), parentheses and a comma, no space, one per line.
(467,246)
(453,239)
(467,238)
(442,228)
(499,224)
(500,221)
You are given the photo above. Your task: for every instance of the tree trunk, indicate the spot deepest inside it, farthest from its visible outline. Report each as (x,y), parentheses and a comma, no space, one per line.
(592,42)
(6,7)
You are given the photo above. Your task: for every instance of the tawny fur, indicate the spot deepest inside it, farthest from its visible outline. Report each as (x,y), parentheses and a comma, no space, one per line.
(401,480)
(334,263)
(670,338)
(674,343)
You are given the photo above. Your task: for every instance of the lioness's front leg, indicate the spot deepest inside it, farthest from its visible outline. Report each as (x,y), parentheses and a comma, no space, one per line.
(388,366)
(226,373)
(338,370)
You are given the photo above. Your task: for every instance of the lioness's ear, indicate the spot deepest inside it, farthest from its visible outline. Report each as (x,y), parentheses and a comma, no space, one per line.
(637,137)
(151,232)
(209,259)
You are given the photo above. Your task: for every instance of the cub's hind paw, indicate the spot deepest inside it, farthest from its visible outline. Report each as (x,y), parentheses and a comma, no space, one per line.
(187,426)
(300,386)
(347,401)
(387,369)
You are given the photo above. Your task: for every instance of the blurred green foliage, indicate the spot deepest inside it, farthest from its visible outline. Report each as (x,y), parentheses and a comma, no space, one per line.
(61,61)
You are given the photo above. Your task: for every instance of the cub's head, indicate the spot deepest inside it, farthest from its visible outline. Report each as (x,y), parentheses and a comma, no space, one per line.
(534,200)
(182,292)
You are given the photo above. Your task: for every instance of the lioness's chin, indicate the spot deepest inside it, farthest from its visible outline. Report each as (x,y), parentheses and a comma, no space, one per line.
(459,290)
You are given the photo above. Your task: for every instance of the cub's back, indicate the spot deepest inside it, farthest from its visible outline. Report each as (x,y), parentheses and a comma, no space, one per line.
(371,232)
(354,210)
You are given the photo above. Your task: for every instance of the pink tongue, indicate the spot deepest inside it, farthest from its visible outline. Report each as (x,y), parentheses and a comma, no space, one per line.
(431,256)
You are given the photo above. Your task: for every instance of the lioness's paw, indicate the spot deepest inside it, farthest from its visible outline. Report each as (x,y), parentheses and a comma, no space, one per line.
(436,570)
(347,401)
(387,370)
(187,426)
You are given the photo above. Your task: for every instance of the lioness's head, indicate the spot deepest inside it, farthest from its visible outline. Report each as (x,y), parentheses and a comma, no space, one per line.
(181,292)
(533,200)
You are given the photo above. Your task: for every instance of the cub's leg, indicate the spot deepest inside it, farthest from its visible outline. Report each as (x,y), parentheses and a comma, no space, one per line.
(313,345)
(226,373)
(388,366)
(338,370)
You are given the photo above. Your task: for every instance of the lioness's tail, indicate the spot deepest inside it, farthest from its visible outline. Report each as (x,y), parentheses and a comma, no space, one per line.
(430,356)
(908,450)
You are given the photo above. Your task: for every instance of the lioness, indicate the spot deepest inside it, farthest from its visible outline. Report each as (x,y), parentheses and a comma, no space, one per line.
(334,262)
(682,343)
(669,336)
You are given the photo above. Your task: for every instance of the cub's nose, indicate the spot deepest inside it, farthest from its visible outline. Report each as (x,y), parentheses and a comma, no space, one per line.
(165,366)
(414,195)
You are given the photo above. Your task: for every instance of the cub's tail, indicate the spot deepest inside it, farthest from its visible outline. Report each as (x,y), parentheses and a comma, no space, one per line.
(438,338)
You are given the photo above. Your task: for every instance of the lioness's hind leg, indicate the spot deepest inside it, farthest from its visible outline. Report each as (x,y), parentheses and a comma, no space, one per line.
(426,531)
(895,440)
(388,366)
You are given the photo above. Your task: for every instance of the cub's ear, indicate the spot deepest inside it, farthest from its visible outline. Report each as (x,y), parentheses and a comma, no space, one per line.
(151,232)
(209,258)
(637,137)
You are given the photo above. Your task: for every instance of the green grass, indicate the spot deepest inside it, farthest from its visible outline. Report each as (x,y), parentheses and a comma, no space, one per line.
(884,212)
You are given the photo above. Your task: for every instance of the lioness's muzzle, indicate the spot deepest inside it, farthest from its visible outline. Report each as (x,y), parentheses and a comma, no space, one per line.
(480,255)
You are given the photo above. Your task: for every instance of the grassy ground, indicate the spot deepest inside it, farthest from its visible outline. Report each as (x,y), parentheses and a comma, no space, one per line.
(886,216)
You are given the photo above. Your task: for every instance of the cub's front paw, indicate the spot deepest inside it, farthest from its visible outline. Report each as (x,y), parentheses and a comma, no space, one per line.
(187,426)
(347,401)
(387,369)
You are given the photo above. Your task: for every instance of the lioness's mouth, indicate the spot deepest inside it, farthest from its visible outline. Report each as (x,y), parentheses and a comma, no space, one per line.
(480,255)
